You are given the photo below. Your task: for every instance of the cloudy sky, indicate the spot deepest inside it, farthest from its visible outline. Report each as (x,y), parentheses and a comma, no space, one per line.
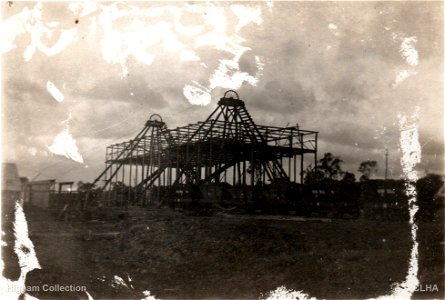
(77,77)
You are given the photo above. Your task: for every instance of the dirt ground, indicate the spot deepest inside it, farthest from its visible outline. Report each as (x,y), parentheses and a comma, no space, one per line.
(175,255)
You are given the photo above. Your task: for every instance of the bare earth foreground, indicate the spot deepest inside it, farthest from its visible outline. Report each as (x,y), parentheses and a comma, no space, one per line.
(175,255)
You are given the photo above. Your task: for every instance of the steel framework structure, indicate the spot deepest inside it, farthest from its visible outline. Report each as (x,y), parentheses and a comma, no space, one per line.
(227,147)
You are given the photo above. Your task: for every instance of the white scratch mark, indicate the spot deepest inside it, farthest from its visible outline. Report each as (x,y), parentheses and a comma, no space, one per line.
(29,297)
(117,281)
(54,91)
(394,36)
(227,75)
(401,76)
(30,21)
(145,41)
(139,38)
(269,4)
(23,246)
(89,296)
(411,155)
(64,144)
(332,26)
(32,151)
(333,29)
(12,27)
(408,52)
(24,249)
(259,61)
(83,8)
(147,295)
(189,55)
(282,293)
(246,15)
(197,94)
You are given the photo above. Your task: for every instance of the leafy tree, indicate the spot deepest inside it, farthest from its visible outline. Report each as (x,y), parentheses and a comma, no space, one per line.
(90,194)
(428,195)
(328,168)
(368,169)
(85,186)
(428,186)
(257,167)
(348,177)
(313,175)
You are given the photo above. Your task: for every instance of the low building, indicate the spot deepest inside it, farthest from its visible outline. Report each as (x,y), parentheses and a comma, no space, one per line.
(11,184)
(38,193)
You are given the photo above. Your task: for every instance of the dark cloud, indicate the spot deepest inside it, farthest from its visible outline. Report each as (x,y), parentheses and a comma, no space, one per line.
(349,133)
(128,90)
(329,66)
(280,97)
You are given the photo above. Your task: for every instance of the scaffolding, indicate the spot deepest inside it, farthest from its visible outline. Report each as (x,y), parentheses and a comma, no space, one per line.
(227,148)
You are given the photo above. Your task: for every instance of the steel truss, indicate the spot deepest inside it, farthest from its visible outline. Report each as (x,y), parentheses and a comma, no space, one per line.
(228,147)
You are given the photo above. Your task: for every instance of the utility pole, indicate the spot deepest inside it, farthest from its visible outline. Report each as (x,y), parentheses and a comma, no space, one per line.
(386,171)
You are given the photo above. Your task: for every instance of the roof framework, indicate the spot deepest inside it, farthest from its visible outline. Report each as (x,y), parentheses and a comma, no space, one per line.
(227,147)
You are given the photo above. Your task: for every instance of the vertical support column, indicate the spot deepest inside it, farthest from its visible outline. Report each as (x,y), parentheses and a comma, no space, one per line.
(244,172)
(244,179)
(263,172)
(210,155)
(130,185)
(177,164)
(105,194)
(234,175)
(252,168)
(301,169)
(302,159)
(111,176)
(316,150)
(151,166)
(121,196)
(290,156)
(198,163)
(158,141)
(169,168)
(142,191)
(137,164)
(114,177)
(187,179)
(252,176)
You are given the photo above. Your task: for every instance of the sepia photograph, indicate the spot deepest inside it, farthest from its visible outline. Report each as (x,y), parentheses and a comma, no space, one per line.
(222,150)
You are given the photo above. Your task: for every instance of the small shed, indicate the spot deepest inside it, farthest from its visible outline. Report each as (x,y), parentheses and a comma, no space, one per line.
(11,184)
(37,193)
